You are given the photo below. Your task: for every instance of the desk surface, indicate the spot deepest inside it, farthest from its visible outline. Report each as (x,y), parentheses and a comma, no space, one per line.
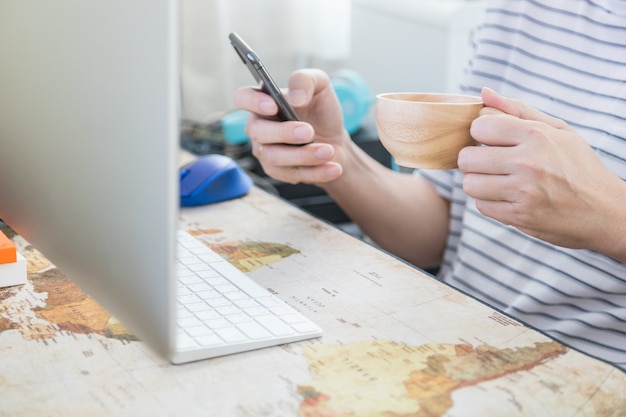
(396,342)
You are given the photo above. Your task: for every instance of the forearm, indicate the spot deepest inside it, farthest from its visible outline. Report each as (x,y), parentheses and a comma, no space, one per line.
(617,250)
(608,231)
(400,212)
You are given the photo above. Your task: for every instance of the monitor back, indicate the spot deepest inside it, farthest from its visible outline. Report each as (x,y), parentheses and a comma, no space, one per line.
(89,144)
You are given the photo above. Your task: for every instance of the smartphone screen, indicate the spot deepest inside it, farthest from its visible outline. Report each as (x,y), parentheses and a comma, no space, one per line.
(261,75)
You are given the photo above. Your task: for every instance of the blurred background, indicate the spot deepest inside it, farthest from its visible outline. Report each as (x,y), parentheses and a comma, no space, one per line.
(395,45)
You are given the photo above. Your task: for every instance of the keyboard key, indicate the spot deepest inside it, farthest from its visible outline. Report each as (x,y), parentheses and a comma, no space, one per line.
(275,325)
(237,296)
(226,288)
(282,310)
(218,302)
(197,307)
(188,299)
(245,303)
(228,310)
(268,301)
(190,279)
(217,323)
(292,318)
(239,318)
(190,321)
(207,315)
(210,340)
(184,341)
(304,327)
(257,311)
(209,294)
(197,331)
(253,330)
(197,287)
(230,335)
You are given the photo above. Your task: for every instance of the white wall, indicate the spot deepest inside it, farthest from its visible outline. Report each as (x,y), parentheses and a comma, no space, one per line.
(287,34)
(413,45)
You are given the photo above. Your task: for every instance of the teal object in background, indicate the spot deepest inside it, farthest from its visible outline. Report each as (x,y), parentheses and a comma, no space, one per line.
(233,125)
(353,94)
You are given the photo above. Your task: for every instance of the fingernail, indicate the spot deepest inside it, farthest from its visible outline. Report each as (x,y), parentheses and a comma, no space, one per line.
(332,171)
(491,91)
(268,106)
(302,132)
(324,153)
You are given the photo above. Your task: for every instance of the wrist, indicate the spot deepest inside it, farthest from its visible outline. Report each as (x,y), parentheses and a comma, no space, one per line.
(353,161)
(610,238)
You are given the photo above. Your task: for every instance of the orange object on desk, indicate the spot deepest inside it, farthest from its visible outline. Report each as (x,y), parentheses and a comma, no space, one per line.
(8,251)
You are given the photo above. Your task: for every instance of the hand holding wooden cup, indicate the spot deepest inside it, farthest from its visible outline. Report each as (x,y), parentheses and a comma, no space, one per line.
(426,130)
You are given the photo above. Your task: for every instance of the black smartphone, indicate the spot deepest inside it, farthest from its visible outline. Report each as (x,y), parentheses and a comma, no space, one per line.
(262,76)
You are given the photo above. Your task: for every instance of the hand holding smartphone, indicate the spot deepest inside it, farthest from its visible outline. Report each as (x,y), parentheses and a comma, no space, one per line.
(261,75)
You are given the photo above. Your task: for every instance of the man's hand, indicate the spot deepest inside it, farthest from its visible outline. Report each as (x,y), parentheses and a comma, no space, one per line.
(537,174)
(320,132)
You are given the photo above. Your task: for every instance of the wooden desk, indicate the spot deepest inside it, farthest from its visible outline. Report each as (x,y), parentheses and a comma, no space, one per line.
(396,342)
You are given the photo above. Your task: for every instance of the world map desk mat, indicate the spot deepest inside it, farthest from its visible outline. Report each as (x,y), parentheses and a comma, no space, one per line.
(397,342)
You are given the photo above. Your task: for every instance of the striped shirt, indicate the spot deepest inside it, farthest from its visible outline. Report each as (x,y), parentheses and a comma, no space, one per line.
(566,58)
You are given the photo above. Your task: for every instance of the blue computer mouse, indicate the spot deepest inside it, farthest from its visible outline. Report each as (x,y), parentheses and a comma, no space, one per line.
(212,178)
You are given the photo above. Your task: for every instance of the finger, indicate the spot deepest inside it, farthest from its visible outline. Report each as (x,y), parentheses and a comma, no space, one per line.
(281,155)
(310,163)
(304,84)
(490,111)
(313,175)
(508,122)
(506,213)
(488,187)
(497,210)
(255,101)
(265,131)
(516,108)
(494,160)
(496,128)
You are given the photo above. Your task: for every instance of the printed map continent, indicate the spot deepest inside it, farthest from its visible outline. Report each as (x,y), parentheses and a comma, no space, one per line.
(56,304)
(248,256)
(52,304)
(388,379)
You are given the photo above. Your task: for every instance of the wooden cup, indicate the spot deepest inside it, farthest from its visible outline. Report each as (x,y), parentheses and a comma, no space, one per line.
(425,130)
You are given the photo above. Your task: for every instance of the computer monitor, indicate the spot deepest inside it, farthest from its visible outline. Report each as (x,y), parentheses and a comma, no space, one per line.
(89,99)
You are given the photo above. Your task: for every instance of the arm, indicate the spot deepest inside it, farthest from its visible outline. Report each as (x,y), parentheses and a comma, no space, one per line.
(541,176)
(400,212)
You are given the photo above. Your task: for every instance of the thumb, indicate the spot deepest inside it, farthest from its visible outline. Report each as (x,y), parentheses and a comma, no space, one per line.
(517,108)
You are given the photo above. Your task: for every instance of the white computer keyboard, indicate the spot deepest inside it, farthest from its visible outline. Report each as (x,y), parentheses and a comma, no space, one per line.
(222,311)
